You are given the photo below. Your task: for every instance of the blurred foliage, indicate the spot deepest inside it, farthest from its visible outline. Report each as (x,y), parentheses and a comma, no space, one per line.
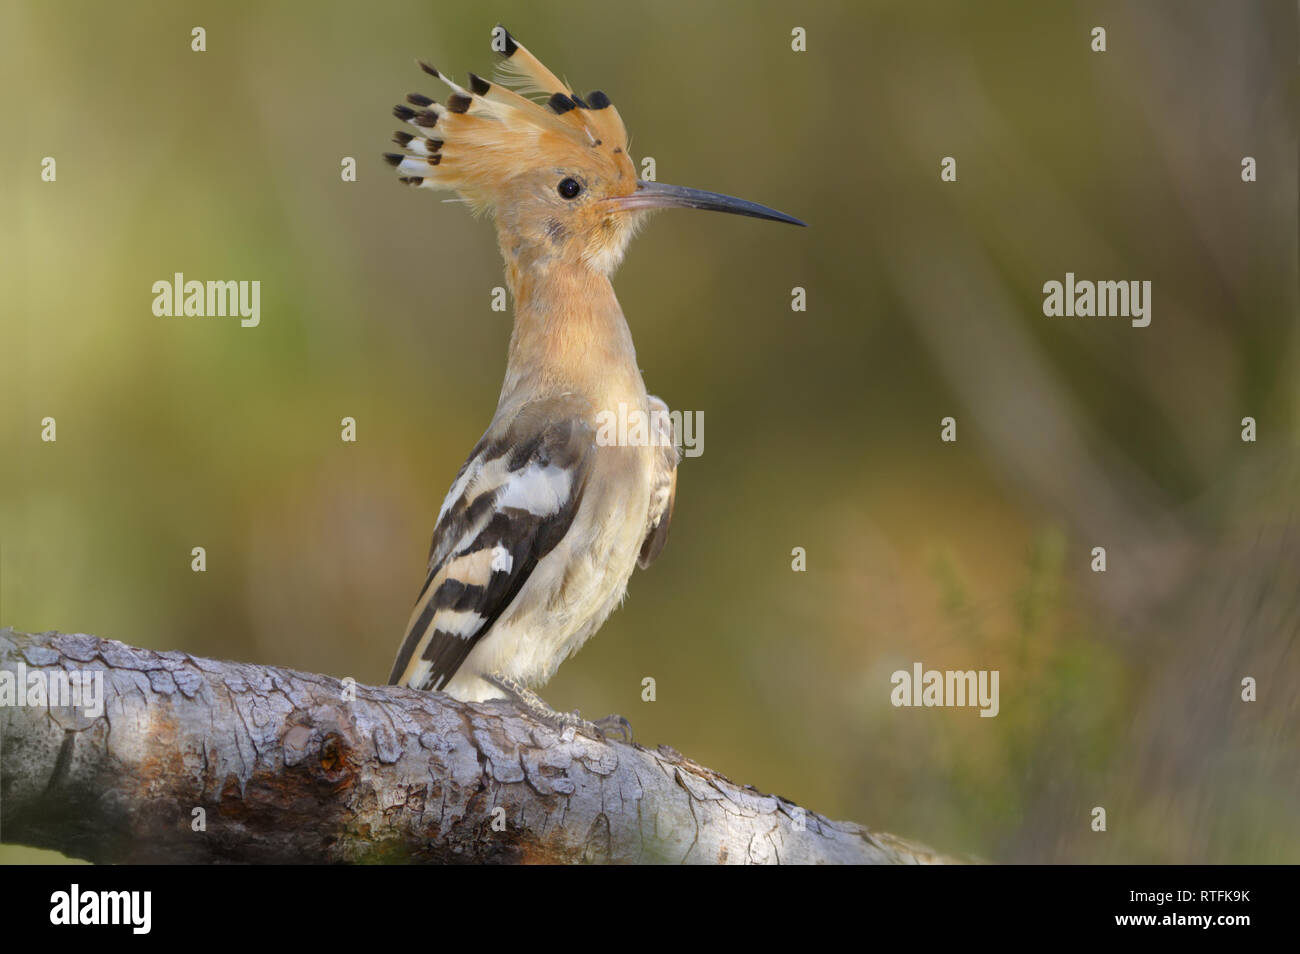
(822,427)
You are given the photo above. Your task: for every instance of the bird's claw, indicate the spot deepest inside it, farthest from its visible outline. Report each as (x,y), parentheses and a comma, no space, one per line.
(614,725)
(601,730)
(566,723)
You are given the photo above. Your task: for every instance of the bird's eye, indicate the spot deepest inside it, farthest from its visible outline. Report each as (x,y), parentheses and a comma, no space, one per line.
(569,188)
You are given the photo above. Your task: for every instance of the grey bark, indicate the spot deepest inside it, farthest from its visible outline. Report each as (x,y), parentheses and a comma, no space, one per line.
(294,767)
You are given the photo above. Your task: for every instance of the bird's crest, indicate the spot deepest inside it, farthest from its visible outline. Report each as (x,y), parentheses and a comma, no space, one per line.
(486,135)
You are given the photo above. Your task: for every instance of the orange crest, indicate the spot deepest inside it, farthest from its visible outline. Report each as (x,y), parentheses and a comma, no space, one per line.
(484,138)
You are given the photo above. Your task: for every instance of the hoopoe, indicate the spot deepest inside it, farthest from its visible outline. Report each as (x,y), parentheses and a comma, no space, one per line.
(536,540)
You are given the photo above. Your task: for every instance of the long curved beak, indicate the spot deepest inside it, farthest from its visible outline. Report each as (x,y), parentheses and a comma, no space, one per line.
(657,195)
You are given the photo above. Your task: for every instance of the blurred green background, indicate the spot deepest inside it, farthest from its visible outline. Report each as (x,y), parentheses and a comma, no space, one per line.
(822,428)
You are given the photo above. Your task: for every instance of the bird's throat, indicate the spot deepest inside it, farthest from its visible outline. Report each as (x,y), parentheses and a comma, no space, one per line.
(569,336)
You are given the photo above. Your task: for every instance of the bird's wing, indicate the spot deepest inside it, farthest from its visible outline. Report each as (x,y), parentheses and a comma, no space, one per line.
(512,502)
(664,492)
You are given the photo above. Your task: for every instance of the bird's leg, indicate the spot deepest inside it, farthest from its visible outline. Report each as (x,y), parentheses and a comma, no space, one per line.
(536,706)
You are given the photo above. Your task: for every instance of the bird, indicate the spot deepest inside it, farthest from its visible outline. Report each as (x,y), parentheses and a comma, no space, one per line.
(536,540)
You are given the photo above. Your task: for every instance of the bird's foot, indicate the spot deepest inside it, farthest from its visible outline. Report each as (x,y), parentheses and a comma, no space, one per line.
(614,724)
(563,722)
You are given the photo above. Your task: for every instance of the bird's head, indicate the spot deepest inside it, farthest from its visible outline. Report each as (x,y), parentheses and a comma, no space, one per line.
(554,170)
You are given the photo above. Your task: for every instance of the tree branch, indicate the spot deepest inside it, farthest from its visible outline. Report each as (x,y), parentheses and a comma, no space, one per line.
(283,766)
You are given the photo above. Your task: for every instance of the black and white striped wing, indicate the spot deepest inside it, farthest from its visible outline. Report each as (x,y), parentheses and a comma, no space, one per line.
(512,502)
